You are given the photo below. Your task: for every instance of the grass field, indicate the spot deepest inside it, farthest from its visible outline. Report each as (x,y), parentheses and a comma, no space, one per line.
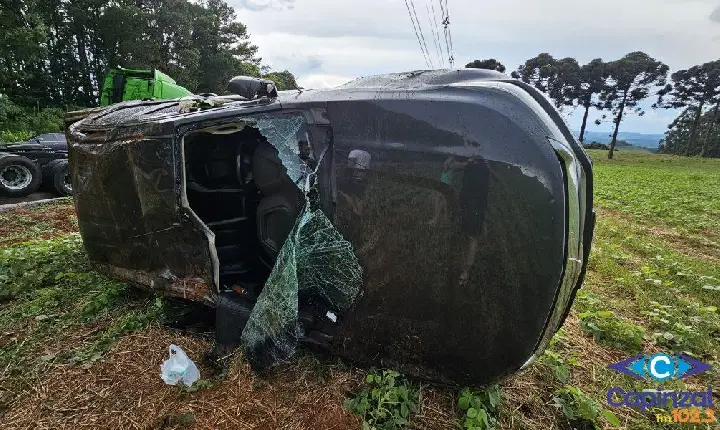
(80,351)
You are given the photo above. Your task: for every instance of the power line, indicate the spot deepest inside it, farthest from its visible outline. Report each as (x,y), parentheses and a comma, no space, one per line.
(452,50)
(435,32)
(446,28)
(422,36)
(416,34)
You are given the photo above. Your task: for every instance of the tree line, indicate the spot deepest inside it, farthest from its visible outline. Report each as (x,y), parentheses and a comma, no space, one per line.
(617,87)
(54,54)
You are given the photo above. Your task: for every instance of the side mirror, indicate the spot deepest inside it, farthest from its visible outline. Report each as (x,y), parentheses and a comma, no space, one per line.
(251,88)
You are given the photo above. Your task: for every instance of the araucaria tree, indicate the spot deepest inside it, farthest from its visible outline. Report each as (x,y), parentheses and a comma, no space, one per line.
(628,81)
(490,64)
(566,82)
(696,88)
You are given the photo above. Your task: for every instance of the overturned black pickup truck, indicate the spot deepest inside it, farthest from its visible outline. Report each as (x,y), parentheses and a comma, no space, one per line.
(436,222)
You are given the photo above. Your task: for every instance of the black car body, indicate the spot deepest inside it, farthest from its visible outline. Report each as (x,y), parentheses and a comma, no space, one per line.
(466,199)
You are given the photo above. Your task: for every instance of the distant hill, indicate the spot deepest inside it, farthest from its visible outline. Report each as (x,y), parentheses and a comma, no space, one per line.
(649,141)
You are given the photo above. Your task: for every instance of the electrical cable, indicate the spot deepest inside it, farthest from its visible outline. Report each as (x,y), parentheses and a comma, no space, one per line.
(446,28)
(435,31)
(422,36)
(416,33)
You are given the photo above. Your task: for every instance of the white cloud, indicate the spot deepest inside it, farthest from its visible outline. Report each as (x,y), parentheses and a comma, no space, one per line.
(322,81)
(327,41)
(715,15)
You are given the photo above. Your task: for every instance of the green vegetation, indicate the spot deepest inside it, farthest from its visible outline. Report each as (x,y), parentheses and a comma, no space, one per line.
(490,64)
(480,408)
(54,54)
(653,271)
(47,221)
(616,86)
(619,86)
(386,402)
(49,296)
(581,410)
(608,329)
(18,123)
(694,132)
(677,194)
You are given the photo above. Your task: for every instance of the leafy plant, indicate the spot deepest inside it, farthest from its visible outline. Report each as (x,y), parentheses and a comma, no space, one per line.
(9,136)
(683,327)
(580,410)
(480,408)
(52,291)
(587,301)
(202,384)
(558,364)
(386,403)
(608,329)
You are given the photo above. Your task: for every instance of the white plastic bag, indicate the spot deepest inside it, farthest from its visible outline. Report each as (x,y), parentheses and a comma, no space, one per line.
(179,368)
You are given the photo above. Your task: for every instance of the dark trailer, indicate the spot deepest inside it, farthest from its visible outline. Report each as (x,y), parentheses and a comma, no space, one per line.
(444,232)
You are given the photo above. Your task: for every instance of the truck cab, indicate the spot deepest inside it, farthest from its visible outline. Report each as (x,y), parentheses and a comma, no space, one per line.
(130,84)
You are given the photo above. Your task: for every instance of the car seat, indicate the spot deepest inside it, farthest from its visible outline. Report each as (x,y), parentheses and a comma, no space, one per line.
(282,200)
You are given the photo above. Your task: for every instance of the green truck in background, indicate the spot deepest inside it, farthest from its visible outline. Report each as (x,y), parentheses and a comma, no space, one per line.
(130,84)
(43,160)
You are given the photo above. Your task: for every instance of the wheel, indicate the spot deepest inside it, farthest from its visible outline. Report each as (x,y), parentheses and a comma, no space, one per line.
(50,164)
(57,178)
(47,175)
(19,176)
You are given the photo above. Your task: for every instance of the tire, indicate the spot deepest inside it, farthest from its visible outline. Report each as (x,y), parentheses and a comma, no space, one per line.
(57,178)
(48,183)
(49,165)
(19,176)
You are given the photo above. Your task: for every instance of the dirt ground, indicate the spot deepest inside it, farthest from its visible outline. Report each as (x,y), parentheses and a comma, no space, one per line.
(125,391)
(43,222)
(124,388)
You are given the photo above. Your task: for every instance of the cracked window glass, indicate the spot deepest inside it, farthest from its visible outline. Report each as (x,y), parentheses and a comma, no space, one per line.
(314,262)
(284,133)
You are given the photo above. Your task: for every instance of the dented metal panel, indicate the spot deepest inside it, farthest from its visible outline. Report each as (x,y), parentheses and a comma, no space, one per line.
(127,199)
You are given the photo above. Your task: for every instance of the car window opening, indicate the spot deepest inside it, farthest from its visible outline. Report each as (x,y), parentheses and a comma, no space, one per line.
(283,266)
(239,187)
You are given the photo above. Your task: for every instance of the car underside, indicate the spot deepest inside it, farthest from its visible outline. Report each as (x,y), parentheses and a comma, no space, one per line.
(438,222)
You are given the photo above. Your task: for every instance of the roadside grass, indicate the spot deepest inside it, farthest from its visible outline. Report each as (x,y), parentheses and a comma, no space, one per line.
(678,194)
(75,345)
(55,310)
(38,222)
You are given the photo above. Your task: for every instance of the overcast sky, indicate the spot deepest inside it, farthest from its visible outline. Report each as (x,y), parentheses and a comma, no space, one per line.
(329,42)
